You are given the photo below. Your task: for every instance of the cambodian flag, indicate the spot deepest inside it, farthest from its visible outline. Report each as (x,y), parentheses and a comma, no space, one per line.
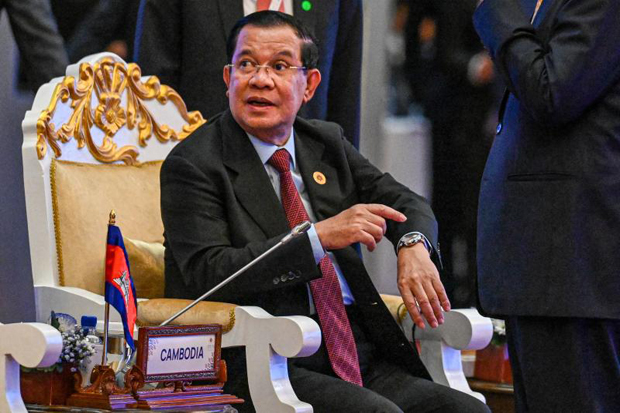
(119,288)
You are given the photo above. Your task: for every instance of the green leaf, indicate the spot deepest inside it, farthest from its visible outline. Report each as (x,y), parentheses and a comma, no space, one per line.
(54,321)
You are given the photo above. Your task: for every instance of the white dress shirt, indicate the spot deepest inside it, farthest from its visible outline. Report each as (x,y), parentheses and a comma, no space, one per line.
(249,6)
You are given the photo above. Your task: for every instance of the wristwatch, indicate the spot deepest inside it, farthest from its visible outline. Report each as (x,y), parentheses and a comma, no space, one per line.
(411,239)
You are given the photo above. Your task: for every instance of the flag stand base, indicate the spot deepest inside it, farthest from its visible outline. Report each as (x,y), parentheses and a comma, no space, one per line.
(103,393)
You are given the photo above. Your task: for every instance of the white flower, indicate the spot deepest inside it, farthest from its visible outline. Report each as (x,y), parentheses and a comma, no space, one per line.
(75,347)
(499,326)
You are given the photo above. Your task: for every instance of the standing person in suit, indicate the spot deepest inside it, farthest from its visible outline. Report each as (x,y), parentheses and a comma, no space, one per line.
(109,26)
(41,49)
(241,182)
(183,42)
(550,200)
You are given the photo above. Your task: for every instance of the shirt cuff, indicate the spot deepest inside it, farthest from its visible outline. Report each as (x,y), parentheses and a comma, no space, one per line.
(315,242)
(425,241)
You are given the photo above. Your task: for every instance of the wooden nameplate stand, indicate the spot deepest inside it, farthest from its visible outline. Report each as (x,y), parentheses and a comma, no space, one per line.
(181,394)
(174,389)
(103,393)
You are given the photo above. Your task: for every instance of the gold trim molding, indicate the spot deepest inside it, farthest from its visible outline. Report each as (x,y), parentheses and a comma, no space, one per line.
(231,322)
(108,80)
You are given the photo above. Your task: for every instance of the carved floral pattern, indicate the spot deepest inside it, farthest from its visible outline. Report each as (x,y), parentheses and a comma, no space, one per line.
(109,116)
(105,82)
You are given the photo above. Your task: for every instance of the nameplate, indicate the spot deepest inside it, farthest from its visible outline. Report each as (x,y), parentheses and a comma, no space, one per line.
(173,353)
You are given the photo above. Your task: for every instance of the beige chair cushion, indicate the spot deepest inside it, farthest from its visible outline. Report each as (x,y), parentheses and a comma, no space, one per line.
(396,306)
(146,260)
(83,196)
(147,269)
(154,312)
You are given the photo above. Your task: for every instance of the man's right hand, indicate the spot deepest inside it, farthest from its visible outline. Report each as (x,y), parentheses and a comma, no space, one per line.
(363,223)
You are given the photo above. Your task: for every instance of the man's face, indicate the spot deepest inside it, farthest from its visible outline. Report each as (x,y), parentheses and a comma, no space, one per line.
(262,102)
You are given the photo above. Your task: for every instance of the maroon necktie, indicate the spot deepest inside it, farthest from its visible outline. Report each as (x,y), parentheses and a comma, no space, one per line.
(264,5)
(326,290)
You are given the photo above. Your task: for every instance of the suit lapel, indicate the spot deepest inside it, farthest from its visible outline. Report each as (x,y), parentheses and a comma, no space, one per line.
(230,12)
(324,198)
(250,181)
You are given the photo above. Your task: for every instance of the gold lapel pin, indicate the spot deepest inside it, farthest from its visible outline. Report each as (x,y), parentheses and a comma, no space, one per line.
(319,178)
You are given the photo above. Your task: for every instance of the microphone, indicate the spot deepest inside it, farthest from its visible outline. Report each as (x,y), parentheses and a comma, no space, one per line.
(295,232)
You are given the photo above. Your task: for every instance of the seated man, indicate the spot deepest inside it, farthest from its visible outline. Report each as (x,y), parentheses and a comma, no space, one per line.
(240,183)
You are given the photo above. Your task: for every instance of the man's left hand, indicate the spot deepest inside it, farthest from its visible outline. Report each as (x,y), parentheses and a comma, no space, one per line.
(420,286)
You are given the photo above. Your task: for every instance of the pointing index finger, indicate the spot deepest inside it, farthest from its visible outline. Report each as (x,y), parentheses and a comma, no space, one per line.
(386,212)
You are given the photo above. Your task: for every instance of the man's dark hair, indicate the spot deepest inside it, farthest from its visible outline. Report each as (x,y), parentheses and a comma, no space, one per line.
(267,19)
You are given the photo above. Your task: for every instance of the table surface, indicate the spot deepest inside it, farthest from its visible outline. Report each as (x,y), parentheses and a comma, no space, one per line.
(481,385)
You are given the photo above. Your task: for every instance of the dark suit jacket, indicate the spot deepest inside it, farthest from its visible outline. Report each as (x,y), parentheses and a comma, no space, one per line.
(41,48)
(220,211)
(183,42)
(109,20)
(550,199)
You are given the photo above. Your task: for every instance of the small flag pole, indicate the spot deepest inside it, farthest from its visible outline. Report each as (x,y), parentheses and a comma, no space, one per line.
(103,391)
(104,356)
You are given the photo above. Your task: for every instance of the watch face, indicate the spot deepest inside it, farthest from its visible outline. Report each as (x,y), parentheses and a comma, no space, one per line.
(413,240)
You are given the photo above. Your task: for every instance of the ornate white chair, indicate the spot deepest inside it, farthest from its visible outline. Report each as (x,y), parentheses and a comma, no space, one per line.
(94,141)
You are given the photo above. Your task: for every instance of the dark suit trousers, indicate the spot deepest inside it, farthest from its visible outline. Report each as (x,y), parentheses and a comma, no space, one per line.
(387,388)
(565,364)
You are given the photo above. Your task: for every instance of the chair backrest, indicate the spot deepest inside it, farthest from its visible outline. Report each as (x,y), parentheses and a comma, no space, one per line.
(94,141)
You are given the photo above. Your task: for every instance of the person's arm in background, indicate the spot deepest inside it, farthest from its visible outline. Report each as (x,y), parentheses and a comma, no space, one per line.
(40,46)
(158,40)
(460,52)
(104,25)
(556,81)
(344,93)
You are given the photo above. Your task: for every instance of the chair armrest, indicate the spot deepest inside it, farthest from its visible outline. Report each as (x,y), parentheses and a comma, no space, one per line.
(463,329)
(440,348)
(75,302)
(28,344)
(268,342)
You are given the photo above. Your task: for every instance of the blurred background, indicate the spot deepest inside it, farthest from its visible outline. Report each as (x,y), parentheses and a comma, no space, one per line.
(429,98)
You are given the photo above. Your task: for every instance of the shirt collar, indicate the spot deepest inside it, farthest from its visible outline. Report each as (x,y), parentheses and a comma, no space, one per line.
(266,150)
